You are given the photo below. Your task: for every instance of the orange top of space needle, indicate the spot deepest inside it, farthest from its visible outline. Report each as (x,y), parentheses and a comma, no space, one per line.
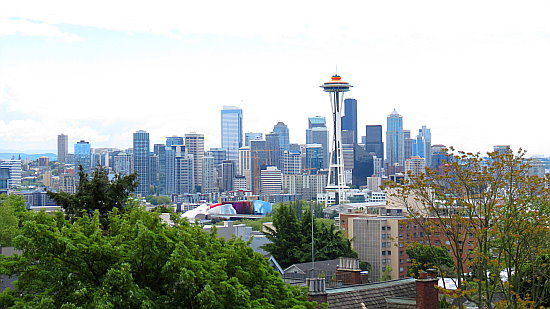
(336,84)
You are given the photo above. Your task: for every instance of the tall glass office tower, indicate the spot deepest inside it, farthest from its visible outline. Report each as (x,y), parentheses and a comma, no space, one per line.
(284,140)
(317,133)
(141,161)
(395,146)
(232,131)
(83,156)
(423,145)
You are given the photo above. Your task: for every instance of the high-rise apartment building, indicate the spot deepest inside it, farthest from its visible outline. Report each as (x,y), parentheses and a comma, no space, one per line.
(83,156)
(194,144)
(282,130)
(228,174)
(208,175)
(395,144)
(123,163)
(141,160)
(232,131)
(349,119)
(62,148)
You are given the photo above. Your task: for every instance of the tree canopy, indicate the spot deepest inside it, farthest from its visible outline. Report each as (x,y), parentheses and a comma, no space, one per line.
(291,237)
(495,202)
(423,257)
(138,262)
(96,193)
(12,211)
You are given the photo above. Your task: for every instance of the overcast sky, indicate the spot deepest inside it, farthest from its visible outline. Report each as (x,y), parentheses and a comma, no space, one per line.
(477,73)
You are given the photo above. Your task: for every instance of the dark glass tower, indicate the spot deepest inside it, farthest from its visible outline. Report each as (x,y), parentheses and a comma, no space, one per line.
(373,141)
(349,120)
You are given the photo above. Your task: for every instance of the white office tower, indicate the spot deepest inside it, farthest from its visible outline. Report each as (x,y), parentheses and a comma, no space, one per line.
(292,162)
(15,172)
(123,163)
(194,144)
(245,165)
(271,181)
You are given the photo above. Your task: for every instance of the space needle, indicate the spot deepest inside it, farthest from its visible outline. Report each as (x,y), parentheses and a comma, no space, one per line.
(336,179)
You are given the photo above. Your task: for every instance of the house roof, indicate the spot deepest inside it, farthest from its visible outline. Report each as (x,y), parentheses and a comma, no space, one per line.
(373,295)
(328,266)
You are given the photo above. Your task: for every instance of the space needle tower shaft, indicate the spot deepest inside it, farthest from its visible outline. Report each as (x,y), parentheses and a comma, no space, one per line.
(336,179)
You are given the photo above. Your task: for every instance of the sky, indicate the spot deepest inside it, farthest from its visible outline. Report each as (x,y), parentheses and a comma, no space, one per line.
(477,73)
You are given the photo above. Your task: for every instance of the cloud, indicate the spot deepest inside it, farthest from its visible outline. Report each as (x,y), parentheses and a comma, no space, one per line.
(12,26)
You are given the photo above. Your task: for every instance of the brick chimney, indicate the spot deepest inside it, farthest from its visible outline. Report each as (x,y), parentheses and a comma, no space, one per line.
(316,290)
(427,295)
(348,272)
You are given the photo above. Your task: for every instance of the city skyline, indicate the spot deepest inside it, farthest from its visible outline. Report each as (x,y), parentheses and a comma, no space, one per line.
(474,73)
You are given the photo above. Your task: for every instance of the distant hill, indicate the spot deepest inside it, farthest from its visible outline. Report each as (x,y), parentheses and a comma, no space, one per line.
(9,155)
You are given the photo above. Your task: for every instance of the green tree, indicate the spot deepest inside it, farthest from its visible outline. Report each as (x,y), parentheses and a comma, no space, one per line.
(98,193)
(423,257)
(291,237)
(496,203)
(139,262)
(12,212)
(158,200)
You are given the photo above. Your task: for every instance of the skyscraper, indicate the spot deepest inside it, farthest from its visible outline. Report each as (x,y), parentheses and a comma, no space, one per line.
(284,139)
(408,144)
(317,133)
(194,144)
(83,156)
(349,119)
(141,161)
(232,131)
(395,144)
(423,145)
(174,140)
(62,148)
(273,149)
(250,136)
(373,140)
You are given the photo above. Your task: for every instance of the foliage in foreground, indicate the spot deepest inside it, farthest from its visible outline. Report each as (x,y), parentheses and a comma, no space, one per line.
(424,257)
(139,262)
(98,193)
(494,204)
(12,212)
(291,238)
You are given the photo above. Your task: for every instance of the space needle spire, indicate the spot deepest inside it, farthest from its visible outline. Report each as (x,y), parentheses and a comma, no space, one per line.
(336,179)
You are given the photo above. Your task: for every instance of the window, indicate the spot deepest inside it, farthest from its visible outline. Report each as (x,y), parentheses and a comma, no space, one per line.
(383,252)
(401,269)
